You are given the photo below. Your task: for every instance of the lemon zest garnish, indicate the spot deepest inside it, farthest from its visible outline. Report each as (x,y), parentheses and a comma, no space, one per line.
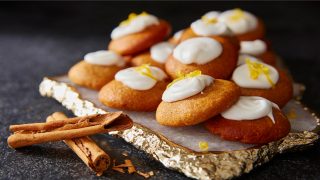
(207,20)
(203,145)
(185,76)
(256,68)
(292,114)
(237,14)
(131,17)
(145,70)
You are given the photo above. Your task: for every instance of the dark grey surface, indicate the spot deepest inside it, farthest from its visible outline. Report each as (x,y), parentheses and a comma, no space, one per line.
(46,39)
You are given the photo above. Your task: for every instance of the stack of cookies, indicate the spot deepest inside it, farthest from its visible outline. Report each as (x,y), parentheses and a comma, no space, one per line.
(219,72)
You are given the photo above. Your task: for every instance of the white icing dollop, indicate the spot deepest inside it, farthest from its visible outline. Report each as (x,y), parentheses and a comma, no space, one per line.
(177,36)
(243,57)
(255,47)
(208,29)
(244,23)
(105,58)
(199,50)
(241,76)
(161,51)
(135,80)
(212,14)
(186,88)
(137,24)
(250,108)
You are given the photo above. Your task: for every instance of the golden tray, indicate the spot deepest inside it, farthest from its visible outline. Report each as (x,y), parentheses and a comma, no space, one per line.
(224,160)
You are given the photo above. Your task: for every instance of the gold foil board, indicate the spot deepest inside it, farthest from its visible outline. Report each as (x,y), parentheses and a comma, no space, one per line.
(224,160)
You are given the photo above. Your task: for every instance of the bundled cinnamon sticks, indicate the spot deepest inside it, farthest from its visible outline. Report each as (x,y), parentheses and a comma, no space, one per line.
(74,132)
(36,133)
(88,151)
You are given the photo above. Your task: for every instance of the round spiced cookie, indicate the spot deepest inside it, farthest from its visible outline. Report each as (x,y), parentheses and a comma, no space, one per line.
(194,98)
(97,69)
(259,49)
(138,33)
(136,89)
(259,79)
(215,57)
(245,26)
(252,120)
(209,26)
(157,56)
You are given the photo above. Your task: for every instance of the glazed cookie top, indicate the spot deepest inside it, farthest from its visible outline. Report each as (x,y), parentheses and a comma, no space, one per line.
(105,58)
(243,57)
(255,74)
(143,77)
(199,50)
(239,21)
(251,108)
(160,52)
(186,86)
(135,23)
(209,25)
(255,47)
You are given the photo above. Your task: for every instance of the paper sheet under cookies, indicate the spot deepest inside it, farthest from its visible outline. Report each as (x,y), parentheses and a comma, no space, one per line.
(189,137)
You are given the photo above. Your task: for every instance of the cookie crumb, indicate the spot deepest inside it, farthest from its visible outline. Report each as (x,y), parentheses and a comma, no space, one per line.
(146,174)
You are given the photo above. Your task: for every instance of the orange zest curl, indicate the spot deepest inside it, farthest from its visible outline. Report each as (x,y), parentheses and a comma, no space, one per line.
(185,76)
(207,20)
(237,14)
(256,69)
(131,17)
(145,70)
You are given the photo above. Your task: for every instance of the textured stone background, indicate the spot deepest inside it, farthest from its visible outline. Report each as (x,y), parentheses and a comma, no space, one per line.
(45,39)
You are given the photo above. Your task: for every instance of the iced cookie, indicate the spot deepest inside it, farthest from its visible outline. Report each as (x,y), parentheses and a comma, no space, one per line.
(97,69)
(260,49)
(194,98)
(209,26)
(215,57)
(246,26)
(138,33)
(252,120)
(259,79)
(157,56)
(136,89)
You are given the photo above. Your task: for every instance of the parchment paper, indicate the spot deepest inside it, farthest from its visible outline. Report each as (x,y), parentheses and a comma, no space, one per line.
(189,137)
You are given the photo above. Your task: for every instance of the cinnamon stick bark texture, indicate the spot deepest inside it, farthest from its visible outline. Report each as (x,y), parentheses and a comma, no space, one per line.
(88,151)
(36,133)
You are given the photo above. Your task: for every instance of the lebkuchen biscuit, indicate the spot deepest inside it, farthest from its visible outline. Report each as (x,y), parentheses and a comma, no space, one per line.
(138,33)
(136,89)
(252,120)
(97,69)
(195,98)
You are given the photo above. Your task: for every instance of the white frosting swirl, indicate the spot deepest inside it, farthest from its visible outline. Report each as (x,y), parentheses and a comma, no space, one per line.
(105,58)
(244,23)
(199,50)
(135,80)
(241,76)
(243,57)
(212,14)
(255,47)
(161,51)
(135,25)
(186,88)
(208,29)
(250,108)
(177,36)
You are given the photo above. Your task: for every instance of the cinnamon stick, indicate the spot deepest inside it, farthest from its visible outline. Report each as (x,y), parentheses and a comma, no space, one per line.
(36,133)
(86,149)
